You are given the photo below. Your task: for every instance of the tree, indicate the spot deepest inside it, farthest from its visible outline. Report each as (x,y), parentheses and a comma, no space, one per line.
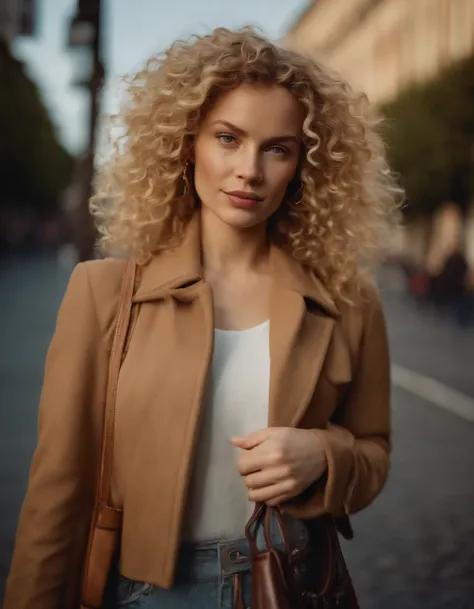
(430,136)
(34,167)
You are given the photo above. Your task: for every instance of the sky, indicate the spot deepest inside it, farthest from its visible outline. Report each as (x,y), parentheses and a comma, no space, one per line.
(133,31)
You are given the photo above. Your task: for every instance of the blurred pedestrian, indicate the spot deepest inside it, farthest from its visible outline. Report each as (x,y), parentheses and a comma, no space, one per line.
(251,189)
(453,285)
(419,285)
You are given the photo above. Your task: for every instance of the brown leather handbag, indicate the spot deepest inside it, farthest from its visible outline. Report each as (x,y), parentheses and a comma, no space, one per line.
(313,577)
(107,521)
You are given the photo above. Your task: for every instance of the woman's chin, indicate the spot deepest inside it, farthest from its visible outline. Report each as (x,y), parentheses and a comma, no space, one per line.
(241,218)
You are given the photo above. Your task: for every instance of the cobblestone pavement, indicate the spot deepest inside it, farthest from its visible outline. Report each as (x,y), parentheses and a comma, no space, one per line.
(414,547)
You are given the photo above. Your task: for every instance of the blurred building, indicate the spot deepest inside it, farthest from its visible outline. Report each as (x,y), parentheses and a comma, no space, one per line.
(380,46)
(9,19)
(17,18)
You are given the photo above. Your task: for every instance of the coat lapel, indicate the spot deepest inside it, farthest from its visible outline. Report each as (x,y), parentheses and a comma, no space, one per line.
(173,270)
(302,315)
(301,324)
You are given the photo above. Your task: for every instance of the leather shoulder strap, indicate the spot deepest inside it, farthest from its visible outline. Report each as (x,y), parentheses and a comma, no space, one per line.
(120,336)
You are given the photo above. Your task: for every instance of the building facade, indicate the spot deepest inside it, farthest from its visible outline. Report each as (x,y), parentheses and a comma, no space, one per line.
(9,19)
(380,46)
(17,18)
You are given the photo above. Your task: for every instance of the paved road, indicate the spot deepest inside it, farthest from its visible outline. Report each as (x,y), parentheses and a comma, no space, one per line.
(414,547)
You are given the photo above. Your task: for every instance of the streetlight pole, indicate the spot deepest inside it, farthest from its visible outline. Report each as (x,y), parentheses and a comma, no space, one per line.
(86,32)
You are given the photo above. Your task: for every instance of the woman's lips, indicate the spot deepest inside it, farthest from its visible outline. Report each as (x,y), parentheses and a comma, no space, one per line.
(243,202)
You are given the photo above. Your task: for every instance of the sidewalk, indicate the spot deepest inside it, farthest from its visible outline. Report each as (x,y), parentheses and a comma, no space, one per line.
(32,289)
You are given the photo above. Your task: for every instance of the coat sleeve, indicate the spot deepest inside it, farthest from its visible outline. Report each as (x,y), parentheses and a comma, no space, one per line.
(357,447)
(53,525)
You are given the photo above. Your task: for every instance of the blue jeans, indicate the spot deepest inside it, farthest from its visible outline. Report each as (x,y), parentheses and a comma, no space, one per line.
(204,580)
(204,576)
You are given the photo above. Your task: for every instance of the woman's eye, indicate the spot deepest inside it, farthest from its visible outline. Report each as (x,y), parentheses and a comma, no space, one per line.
(277,149)
(226,138)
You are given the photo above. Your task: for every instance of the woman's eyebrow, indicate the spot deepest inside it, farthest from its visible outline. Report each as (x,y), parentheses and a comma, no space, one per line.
(242,132)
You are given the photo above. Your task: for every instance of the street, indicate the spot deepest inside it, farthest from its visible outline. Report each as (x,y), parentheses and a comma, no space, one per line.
(413,548)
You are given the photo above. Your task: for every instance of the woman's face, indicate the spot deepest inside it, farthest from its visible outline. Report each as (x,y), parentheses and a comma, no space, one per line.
(247,152)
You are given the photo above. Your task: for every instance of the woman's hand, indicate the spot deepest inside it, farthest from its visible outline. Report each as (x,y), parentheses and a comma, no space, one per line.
(279,463)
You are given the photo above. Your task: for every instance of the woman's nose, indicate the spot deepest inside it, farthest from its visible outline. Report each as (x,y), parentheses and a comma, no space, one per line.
(249,166)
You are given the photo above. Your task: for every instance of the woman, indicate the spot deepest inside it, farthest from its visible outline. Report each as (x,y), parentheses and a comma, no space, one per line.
(252,190)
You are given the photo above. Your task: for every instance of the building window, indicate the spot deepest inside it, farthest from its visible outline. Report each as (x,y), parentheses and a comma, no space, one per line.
(462,27)
(27,18)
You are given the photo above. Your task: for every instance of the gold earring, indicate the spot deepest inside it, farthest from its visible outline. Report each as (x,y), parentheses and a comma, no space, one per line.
(298,196)
(185,179)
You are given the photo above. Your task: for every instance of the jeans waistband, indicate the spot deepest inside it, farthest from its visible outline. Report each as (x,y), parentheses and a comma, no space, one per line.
(214,560)
(211,561)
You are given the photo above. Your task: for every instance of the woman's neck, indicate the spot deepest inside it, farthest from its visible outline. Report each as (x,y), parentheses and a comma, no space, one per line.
(226,248)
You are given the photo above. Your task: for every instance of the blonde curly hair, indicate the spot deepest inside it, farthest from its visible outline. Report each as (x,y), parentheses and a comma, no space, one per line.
(336,221)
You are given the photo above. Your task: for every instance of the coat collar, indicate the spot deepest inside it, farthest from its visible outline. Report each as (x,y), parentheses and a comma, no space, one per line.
(171,271)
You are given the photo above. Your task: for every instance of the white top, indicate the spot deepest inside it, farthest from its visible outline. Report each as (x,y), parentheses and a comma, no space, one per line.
(236,404)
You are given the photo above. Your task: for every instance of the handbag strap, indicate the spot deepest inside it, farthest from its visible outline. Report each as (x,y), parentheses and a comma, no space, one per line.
(115,361)
(331,549)
(262,517)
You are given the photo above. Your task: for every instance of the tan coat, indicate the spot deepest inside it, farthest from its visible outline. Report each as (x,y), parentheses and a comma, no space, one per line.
(329,371)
